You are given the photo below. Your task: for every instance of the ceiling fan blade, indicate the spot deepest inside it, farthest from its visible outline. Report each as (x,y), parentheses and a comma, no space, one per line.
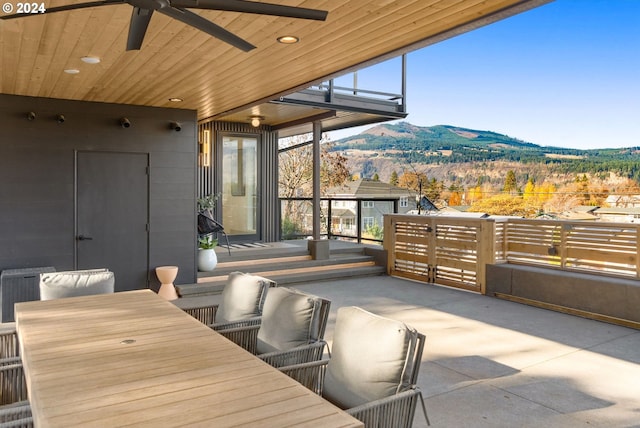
(138,27)
(66,7)
(253,7)
(208,27)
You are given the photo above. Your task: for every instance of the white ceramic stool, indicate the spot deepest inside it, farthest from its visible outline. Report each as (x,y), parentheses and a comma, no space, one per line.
(166,275)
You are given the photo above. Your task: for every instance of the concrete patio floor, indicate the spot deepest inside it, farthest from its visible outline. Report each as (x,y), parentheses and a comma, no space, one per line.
(494,363)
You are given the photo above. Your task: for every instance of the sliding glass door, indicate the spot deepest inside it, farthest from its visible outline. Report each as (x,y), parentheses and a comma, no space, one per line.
(240,196)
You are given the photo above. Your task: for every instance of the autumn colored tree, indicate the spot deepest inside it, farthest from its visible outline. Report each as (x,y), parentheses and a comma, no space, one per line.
(421,184)
(333,168)
(455,199)
(295,169)
(545,192)
(503,204)
(412,181)
(295,173)
(529,193)
(475,194)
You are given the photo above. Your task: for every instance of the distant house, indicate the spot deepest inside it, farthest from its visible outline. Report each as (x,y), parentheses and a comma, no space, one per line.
(376,199)
(619,215)
(623,201)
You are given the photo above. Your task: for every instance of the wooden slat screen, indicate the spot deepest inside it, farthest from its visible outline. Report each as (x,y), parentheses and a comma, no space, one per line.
(454,251)
(444,250)
(606,248)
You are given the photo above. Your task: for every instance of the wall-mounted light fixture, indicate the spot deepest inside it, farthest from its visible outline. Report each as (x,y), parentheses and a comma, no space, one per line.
(176,126)
(60,118)
(31,116)
(205,148)
(125,123)
(255,120)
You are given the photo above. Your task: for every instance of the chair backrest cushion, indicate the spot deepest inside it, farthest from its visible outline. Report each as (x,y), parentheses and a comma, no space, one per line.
(290,318)
(370,358)
(242,297)
(58,285)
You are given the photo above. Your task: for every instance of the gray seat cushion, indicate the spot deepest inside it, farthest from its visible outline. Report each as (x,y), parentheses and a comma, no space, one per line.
(242,297)
(289,319)
(369,358)
(57,285)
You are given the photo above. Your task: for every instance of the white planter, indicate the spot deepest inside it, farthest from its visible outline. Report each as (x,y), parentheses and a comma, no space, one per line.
(207,260)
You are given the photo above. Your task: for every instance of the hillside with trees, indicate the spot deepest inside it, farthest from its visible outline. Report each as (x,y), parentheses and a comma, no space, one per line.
(459,155)
(488,171)
(452,166)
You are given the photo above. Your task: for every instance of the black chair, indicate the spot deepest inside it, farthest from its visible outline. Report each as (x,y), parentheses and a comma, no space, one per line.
(208,226)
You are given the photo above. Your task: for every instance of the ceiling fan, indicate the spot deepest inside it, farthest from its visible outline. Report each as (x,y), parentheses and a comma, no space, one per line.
(177,9)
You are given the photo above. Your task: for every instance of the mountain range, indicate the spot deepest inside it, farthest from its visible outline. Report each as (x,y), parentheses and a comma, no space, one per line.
(460,155)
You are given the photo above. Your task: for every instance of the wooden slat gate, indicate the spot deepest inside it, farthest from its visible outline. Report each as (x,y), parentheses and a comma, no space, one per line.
(448,251)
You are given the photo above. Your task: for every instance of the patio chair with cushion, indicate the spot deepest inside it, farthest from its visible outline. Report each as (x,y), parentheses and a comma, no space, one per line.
(8,340)
(240,303)
(17,415)
(13,386)
(373,369)
(291,331)
(58,285)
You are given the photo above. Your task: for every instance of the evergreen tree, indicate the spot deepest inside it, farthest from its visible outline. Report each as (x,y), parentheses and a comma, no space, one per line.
(510,183)
(393,180)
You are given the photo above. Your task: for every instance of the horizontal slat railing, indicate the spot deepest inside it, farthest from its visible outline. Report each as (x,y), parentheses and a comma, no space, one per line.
(602,248)
(454,250)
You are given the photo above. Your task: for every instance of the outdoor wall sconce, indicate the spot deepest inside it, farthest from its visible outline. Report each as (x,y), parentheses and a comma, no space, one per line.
(31,116)
(60,118)
(205,149)
(175,126)
(125,123)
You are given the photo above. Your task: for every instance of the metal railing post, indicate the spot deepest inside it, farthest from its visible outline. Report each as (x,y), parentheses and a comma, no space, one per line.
(359,220)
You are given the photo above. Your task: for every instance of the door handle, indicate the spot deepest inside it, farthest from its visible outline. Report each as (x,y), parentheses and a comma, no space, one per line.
(84,238)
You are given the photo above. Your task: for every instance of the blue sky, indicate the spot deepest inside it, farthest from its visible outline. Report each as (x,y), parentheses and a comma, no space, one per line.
(565,74)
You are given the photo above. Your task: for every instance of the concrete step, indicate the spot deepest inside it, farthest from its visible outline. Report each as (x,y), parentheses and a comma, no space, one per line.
(280,263)
(258,253)
(214,284)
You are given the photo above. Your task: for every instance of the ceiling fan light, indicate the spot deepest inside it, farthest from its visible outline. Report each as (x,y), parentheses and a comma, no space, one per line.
(288,40)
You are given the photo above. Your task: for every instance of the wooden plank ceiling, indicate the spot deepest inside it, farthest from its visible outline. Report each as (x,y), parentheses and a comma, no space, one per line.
(213,77)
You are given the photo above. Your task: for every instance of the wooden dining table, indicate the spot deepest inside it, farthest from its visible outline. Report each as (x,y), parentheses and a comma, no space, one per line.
(135,359)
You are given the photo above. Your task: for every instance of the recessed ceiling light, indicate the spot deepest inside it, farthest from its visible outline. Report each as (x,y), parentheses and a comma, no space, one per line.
(90,59)
(288,40)
(176,100)
(72,71)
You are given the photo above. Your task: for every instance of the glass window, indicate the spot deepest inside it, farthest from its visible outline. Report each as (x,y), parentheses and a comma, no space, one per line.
(367,222)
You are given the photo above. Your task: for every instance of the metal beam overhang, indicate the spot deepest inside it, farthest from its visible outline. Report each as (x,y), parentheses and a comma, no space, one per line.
(303,121)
